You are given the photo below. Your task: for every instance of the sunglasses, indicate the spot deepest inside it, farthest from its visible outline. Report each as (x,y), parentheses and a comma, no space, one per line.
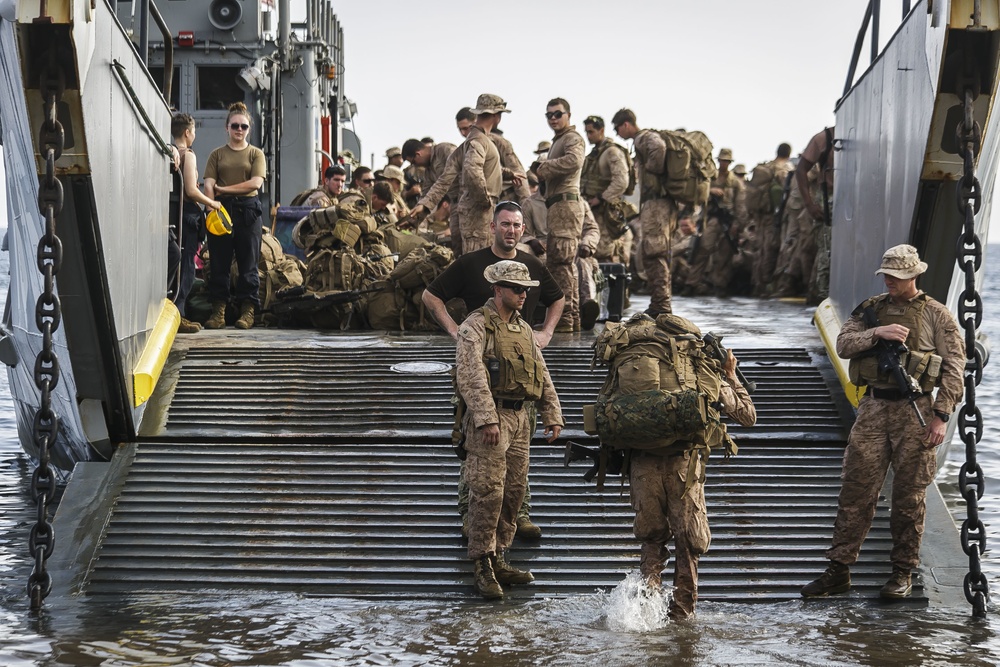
(516,289)
(554,114)
(239,126)
(367,180)
(507,204)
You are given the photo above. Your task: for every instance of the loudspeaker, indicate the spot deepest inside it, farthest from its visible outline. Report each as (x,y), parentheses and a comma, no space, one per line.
(225,14)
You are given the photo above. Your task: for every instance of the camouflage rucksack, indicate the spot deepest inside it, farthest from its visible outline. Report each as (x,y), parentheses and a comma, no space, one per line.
(662,387)
(688,167)
(276,270)
(763,192)
(421,266)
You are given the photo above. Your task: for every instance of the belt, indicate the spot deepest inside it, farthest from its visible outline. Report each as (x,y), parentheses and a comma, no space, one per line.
(890,394)
(555,199)
(510,403)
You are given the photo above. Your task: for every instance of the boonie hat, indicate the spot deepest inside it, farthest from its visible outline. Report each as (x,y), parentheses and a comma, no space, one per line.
(219,223)
(726,154)
(740,170)
(488,103)
(543,146)
(510,272)
(392,171)
(902,261)
(394,151)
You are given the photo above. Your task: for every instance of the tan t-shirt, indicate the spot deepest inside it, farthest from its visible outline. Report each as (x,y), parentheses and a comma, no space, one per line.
(231,167)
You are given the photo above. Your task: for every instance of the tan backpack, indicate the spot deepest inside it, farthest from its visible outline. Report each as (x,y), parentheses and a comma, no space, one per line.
(276,269)
(688,166)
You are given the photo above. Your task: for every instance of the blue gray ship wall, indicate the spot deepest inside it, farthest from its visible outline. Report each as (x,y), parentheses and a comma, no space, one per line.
(22,340)
(114,224)
(896,174)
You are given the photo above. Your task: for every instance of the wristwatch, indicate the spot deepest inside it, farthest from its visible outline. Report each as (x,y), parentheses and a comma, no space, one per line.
(943,416)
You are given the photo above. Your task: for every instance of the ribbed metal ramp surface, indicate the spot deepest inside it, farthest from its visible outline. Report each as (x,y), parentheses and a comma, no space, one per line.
(326,472)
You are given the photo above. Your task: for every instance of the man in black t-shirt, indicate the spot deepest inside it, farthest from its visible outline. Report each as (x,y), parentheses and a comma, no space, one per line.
(464,278)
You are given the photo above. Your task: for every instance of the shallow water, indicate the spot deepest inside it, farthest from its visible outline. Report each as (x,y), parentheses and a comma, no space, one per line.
(620,627)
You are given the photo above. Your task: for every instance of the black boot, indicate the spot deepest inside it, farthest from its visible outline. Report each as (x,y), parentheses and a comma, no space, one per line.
(486,581)
(836,579)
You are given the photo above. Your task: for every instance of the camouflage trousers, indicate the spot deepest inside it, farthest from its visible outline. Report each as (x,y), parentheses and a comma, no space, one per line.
(497,477)
(886,433)
(565,220)
(768,245)
(657,218)
(819,285)
(798,248)
(474,226)
(611,249)
(456,232)
(665,510)
(711,265)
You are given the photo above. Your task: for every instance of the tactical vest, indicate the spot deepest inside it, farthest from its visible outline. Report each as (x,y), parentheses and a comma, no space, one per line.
(512,359)
(662,390)
(923,365)
(592,182)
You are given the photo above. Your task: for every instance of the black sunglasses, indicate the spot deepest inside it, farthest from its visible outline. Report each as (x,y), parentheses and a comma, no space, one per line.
(554,114)
(367,180)
(239,126)
(516,289)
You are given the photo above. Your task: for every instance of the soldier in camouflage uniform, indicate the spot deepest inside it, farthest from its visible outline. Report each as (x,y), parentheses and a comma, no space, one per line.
(560,174)
(886,432)
(604,180)
(667,469)
(496,424)
(658,212)
(712,265)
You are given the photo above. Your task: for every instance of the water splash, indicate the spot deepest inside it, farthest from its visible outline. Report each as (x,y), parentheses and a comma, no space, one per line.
(634,607)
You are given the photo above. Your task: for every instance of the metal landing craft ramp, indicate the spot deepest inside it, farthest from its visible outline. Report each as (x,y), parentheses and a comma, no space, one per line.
(328,469)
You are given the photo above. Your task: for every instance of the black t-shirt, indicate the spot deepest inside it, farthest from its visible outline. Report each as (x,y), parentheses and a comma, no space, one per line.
(465,279)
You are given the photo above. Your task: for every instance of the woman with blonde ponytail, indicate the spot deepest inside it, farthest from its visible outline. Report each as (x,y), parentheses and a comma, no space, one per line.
(234,174)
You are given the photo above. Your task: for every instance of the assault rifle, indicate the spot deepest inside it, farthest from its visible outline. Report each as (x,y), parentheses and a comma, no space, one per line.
(725,218)
(713,343)
(785,192)
(888,353)
(614,459)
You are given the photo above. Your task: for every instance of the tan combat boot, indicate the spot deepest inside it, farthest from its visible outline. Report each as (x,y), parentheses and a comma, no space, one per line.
(218,317)
(898,586)
(247,315)
(508,574)
(526,530)
(486,581)
(836,579)
(188,327)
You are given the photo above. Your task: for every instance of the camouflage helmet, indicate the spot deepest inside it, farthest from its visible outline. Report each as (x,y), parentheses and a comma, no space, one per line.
(677,325)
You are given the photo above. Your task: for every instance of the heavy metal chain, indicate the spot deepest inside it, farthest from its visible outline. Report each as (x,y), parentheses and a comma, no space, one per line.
(969,251)
(51,141)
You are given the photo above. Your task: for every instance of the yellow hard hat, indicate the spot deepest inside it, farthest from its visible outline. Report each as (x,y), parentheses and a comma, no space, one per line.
(219,222)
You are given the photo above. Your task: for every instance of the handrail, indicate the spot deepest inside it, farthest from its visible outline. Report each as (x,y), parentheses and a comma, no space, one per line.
(168,51)
(872,16)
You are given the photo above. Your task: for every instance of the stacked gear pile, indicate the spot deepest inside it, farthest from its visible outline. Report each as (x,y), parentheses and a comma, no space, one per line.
(662,390)
(359,275)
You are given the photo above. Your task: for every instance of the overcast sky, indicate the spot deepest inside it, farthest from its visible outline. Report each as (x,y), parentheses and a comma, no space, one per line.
(748,74)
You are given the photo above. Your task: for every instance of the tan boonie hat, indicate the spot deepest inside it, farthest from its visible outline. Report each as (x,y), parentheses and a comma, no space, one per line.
(391,171)
(726,154)
(543,146)
(902,261)
(740,169)
(490,104)
(394,151)
(510,272)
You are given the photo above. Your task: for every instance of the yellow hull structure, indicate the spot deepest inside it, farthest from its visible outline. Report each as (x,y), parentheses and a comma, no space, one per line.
(828,323)
(154,354)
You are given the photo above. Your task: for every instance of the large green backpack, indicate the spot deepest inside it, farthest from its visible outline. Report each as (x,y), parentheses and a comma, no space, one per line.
(688,167)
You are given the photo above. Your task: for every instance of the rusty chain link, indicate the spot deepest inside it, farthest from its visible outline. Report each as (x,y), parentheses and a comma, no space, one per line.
(51,141)
(969,251)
